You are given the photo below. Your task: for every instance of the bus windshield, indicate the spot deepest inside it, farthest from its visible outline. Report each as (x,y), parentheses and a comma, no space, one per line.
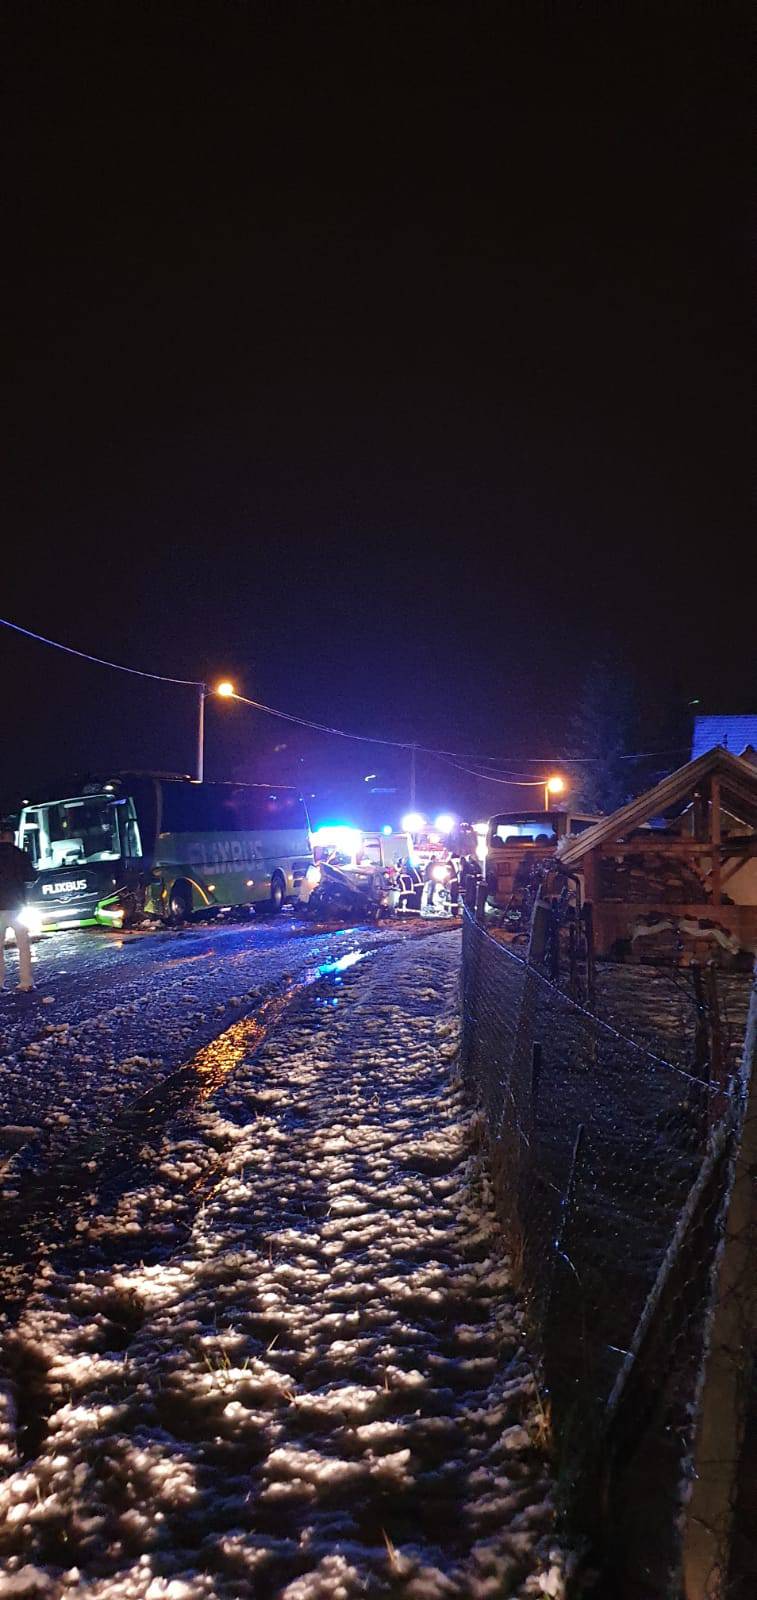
(536,828)
(71,832)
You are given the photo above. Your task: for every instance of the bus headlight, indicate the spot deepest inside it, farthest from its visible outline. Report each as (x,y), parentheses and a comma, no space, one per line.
(313,876)
(31,919)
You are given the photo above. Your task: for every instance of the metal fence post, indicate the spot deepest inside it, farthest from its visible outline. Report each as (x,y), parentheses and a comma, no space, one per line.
(718,1100)
(699,1095)
(727,1374)
(587,914)
(563,1308)
(535,1077)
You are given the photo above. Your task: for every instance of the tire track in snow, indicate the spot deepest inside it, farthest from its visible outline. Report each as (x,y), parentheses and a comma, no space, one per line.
(324,1390)
(46,1212)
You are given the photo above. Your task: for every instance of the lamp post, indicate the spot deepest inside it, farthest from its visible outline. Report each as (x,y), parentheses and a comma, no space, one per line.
(554,785)
(202,691)
(226,691)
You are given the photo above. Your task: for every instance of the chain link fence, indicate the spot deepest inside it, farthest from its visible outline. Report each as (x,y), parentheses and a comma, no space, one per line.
(615,1152)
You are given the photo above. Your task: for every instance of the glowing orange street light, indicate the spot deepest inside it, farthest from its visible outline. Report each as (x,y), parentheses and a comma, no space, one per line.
(553,786)
(227,692)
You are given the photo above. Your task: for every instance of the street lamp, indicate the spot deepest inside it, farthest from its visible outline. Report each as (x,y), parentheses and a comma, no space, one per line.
(554,785)
(226,691)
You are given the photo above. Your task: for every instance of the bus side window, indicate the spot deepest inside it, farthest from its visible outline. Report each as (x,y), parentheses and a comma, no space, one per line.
(132,844)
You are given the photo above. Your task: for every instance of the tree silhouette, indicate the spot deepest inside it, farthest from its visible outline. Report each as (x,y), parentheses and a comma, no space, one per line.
(603,730)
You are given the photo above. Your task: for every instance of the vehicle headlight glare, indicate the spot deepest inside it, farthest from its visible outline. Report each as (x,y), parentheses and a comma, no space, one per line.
(413,822)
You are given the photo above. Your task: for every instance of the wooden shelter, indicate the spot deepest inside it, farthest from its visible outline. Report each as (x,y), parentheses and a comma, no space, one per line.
(679,863)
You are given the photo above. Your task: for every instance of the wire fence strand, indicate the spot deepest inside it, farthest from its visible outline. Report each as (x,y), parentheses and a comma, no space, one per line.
(614,1169)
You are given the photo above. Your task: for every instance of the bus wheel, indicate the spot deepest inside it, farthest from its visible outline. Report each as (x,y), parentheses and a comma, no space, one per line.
(180,901)
(278,890)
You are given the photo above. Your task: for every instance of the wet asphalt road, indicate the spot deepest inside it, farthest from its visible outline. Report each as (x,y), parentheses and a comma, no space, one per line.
(114,1016)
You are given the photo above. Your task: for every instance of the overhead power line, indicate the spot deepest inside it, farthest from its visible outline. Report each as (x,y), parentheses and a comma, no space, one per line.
(489,777)
(136,672)
(362,738)
(453,756)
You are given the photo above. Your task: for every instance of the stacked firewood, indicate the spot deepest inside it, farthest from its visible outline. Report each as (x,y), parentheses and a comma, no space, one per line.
(652,876)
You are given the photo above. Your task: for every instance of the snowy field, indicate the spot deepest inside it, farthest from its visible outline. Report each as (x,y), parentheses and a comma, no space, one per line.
(282,1357)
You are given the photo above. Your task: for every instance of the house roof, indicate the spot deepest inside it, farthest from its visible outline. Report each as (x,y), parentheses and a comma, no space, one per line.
(733,733)
(738,788)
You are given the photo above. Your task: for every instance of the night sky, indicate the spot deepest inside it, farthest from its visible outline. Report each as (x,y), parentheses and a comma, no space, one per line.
(389,358)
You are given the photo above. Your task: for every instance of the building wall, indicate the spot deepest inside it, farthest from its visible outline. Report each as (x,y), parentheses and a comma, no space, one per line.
(742,887)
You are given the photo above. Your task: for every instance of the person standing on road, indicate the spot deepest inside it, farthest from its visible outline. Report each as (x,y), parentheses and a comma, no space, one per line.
(16,871)
(470,877)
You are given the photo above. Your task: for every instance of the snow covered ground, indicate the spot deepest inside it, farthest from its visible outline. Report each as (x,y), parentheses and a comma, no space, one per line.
(284,1358)
(114,1015)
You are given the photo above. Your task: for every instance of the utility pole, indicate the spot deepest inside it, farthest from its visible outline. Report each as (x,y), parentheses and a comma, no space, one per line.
(412,777)
(201,732)
(226,691)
